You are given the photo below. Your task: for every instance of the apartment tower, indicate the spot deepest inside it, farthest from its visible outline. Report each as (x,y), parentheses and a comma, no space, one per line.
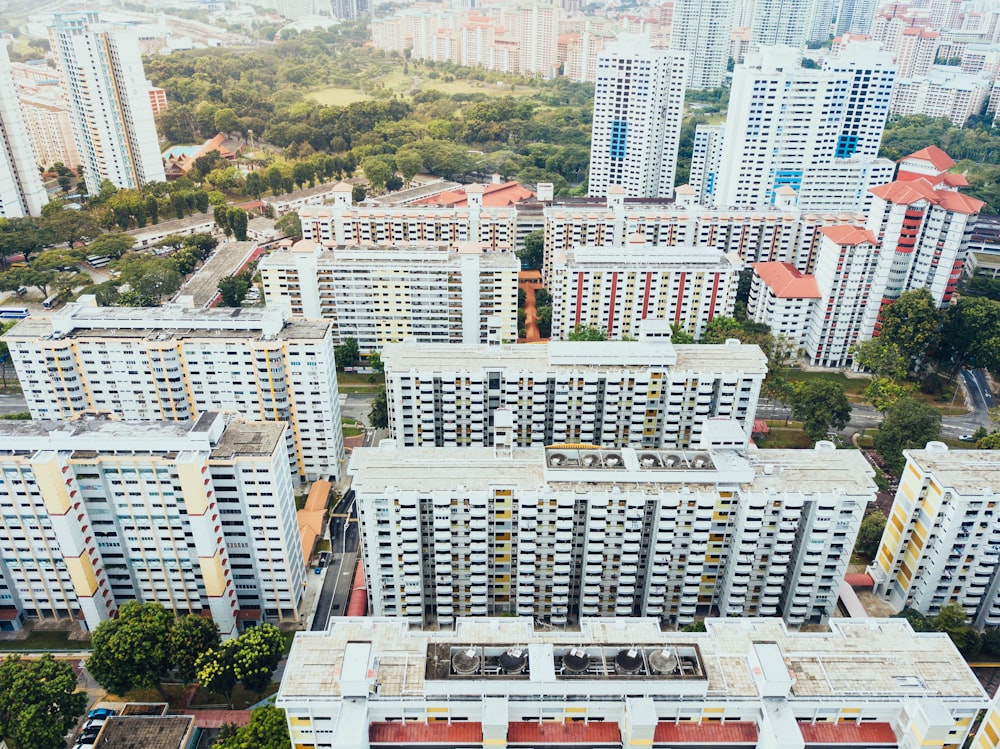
(21,190)
(109,101)
(638,107)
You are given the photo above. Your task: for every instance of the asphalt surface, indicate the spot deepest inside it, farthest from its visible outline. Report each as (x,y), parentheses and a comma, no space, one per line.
(12,403)
(338,575)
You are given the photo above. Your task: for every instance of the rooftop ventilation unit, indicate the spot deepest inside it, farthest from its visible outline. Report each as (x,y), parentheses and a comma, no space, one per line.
(576,661)
(513,661)
(650,460)
(671,461)
(591,460)
(556,459)
(701,461)
(628,661)
(614,460)
(466,661)
(662,661)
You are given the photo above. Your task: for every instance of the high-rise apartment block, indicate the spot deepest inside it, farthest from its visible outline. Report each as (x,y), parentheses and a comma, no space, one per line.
(706,162)
(618,684)
(176,363)
(616,289)
(784,22)
(784,119)
(574,530)
(109,101)
(21,190)
(198,516)
(643,393)
(941,543)
(701,29)
(381,294)
(638,107)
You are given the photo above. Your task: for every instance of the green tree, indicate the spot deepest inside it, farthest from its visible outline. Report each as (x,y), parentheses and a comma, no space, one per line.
(951,619)
(267,729)
(918,621)
(821,406)
(678,335)
(883,392)
(15,278)
(132,650)
(908,424)
(69,226)
(378,170)
(881,357)
(588,333)
(991,641)
(720,329)
(254,185)
(23,236)
(233,290)
(533,254)
(274,180)
(870,534)
(912,323)
(112,245)
(189,637)
(378,416)
(237,221)
(260,650)
(215,670)
(347,353)
(989,441)
(290,225)
(409,163)
(149,275)
(358,193)
(971,333)
(203,242)
(696,626)
(38,702)
(56,259)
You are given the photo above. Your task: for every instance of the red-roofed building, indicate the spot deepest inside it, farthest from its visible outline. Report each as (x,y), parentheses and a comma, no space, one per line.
(496,195)
(784,298)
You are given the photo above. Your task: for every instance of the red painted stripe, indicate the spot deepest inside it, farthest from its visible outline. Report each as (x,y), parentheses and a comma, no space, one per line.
(645,296)
(680,299)
(611,310)
(579,296)
(715,291)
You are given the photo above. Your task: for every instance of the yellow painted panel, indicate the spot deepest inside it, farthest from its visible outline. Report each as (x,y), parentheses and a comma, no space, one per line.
(907,491)
(714,710)
(640,742)
(81,572)
(295,721)
(850,710)
(494,742)
(193,487)
(211,573)
(437,709)
(914,470)
(576,709)
(52,485)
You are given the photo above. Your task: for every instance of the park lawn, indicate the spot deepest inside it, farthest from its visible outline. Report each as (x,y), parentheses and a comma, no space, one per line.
(337,96)
(781,436)
(360,378)
(853,387)
(45,639)
(475,87)
(351,427)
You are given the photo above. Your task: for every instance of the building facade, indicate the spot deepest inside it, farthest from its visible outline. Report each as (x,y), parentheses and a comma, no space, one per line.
(572,530)
(638,108)
(619,684)
(941,543)
(176,363)
(783,299)
(378,295)
(21,190)
(701,29)
(97,512)
(617,288)
(109,101)
(645,393)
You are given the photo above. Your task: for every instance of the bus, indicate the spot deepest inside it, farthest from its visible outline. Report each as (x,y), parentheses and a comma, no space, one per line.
(98,261)
(51,302)
(14,313)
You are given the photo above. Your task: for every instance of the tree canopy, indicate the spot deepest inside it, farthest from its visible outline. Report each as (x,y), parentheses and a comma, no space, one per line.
(249,659)
(588,333)
(38,702)
(132,650)
(909,424)
(267,729)
(820,405)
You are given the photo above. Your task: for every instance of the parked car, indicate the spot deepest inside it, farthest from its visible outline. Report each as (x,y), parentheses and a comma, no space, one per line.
(967,438)
(100,712)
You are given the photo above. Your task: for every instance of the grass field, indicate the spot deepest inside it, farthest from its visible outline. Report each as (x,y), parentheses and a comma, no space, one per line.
(781,436)
(337,96)
(852,387)
(45,639)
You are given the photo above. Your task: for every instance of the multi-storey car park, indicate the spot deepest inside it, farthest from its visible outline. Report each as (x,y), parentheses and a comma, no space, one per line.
(572,531)
(646,393)
(198,516)
(176,363)
(626,683)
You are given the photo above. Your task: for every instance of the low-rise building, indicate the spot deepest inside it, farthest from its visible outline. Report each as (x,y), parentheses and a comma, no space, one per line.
(575,530)
(384,294)
(783,299)
(646,393)
(618,288)
(620,683)
(198,516)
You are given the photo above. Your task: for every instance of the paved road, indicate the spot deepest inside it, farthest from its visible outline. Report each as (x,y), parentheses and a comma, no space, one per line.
(12,403)
(336,589)
(356,405)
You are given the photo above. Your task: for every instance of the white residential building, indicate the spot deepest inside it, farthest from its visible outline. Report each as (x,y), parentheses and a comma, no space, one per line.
(783,299)
(574,530)
(646,393)
(382,294)
(198,516)
(785,22)
(638,107)
(47,122)
(175,363)
(21,190)
(109,102)
(617,288)
(944,92)
(706,162)
(783,120)
(701,29)
(941,543)
(617,683)
(843,184)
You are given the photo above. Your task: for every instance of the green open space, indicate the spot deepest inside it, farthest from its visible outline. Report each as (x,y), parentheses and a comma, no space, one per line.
(337,96)
(853,387)
(351,427)
(784,436)
(44,639)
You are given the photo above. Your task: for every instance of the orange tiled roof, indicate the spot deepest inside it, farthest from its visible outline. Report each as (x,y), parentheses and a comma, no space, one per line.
(688,732)
(785,281)
(911,191)
(439,732)
(847,733)
(941,161)
(846,234)
(551,732)
(494,196)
